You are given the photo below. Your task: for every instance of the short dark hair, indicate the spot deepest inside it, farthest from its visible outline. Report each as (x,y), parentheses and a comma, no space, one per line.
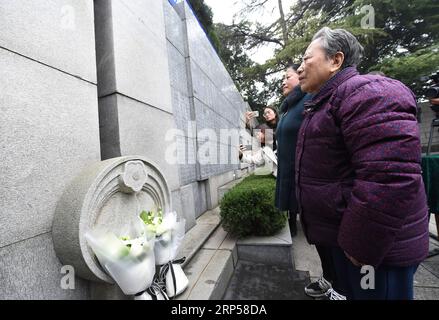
(293,66)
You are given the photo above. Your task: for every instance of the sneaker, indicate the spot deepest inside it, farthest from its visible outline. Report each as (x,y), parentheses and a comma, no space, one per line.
(334,295)
(318,288)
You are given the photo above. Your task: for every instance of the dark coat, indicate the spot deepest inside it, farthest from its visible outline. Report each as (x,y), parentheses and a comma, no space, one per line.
(291,116)
(358,170)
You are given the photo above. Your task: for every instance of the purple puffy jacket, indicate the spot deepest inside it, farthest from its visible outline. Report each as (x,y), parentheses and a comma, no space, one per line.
(358,170)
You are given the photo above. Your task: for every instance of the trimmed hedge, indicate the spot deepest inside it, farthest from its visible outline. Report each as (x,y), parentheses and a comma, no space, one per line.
(248,208)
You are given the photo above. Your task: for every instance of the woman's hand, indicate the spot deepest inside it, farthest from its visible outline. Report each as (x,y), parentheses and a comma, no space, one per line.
(248,116)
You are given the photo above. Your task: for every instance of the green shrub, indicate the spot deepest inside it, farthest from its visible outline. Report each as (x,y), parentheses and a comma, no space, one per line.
(248,208)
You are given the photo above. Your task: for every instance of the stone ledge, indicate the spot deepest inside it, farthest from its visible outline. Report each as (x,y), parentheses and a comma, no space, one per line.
(276,249)
(211,268)
(199,234)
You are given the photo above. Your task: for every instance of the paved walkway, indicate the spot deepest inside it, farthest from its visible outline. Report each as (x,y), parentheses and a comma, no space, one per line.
(257,281)
(426,278)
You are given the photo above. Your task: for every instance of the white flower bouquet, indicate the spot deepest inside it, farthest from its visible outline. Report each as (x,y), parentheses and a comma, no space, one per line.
(169,235)
(129,260)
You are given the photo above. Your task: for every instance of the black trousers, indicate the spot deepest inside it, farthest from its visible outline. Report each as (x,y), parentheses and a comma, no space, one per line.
(328,266)
(292,222)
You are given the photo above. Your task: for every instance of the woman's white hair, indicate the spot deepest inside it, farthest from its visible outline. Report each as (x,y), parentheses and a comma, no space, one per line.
(340,40)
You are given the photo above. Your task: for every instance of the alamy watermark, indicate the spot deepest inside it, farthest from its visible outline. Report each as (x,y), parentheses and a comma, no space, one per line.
(368,21)
(213,146)
(368,280)
(68,281)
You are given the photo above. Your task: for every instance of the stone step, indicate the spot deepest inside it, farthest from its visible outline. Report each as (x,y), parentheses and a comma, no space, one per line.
(276,249)
(194,239)
(260,281)
(211,268)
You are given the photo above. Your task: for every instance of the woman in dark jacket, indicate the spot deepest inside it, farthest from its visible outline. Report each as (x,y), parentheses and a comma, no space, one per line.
(358,171)
(286,135)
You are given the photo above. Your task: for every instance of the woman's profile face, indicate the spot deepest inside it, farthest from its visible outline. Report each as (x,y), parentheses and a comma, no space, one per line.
(269,115)
(291,80)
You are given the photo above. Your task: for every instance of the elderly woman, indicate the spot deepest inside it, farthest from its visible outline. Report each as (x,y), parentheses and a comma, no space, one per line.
(358,171)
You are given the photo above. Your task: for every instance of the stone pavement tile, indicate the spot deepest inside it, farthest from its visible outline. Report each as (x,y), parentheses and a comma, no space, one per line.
(432,265)
(194,239)
(433,243)
(214,279)
(216,239)
(432,225)
(229,242)
(257,281)
(194,269)
(210,217)
(424,277)
(422,293)
(305,255)
(283,237)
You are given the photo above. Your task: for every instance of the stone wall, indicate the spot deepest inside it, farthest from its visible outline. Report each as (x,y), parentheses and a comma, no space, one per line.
(84,81)
(49,131)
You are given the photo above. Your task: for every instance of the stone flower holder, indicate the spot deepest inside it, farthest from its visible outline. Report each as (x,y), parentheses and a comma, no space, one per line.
(108,194)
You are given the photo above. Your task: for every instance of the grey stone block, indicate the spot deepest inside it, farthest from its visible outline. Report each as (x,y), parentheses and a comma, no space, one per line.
(423,293)
(177,70)
(175,28)
(187,157)
(49,132)
(275,255)
(213,282)
(30,270)
(194,269)
(276,249)
(216,239)
(214,183)
(105,291)
(194,240)
(181,111)
(281,238)
(423,277)
(140,46)
(200,197)
(59,33)
(305,256)
(188,205)
(211,217)
(143,130)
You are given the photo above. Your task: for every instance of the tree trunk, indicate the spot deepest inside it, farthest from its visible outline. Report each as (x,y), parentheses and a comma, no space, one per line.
(283,23)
